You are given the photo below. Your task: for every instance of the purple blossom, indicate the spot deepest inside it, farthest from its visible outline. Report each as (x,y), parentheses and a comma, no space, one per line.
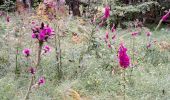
(41,81)
(41,36)
(34,35)
(165,17)
(134,33)
(148,45)
(107,35)
(124,59)
(42,33)
(46,49)
(148,34)
(106,12)
(26,52)
(113,28)
(32,70)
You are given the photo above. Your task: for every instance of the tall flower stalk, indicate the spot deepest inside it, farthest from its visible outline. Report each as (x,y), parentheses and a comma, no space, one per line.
(164,18)
(124,62)
(42,34)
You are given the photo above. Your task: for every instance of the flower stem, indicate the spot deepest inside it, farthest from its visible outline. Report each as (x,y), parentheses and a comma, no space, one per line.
(124,84)
(39,55)
(29,88)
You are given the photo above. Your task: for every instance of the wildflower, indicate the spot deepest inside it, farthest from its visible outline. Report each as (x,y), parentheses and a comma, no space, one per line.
(32,70)
(106,12)
(113,28)
(42,33)
(109,45)
(164,18)
(34,35)
(26,52)
(148,34)
(46,49)
(124,59)
(107,35)
(41,81)
(134,33)
(148,45)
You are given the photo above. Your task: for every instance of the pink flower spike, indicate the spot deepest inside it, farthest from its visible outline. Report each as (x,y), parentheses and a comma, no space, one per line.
(41,81)
(124,59)
(26,52)
(107,12)
(148,34)
(46,49)
(164,18)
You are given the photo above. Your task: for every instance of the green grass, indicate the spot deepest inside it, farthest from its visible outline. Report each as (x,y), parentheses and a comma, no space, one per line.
(92,78)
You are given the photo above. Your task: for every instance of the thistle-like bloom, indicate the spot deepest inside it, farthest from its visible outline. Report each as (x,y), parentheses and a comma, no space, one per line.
(46,49)
(41,81)
(106,12)
(165,17)
(148,34)
(124,59)
(26,52)
(42,33)
(32,70)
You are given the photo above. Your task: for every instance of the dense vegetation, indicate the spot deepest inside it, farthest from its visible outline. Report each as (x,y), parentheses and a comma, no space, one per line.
(108,50)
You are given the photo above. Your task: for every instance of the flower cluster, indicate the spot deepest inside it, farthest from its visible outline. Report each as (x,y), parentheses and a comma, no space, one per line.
(124,59)
(42,33)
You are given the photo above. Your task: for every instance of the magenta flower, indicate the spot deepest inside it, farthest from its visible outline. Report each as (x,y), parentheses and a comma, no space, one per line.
(134,33)
(113,28)
(42,33)
(109,45)
(165,17)
(106,12)
(46,49)
(41,81)
(32,70)
(26,52)
(34,35)
(148,34)
(107,35)
(41,36)
(148,45)
(124,59)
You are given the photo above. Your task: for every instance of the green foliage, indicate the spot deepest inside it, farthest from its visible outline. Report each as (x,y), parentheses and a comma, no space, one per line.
(8,5)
